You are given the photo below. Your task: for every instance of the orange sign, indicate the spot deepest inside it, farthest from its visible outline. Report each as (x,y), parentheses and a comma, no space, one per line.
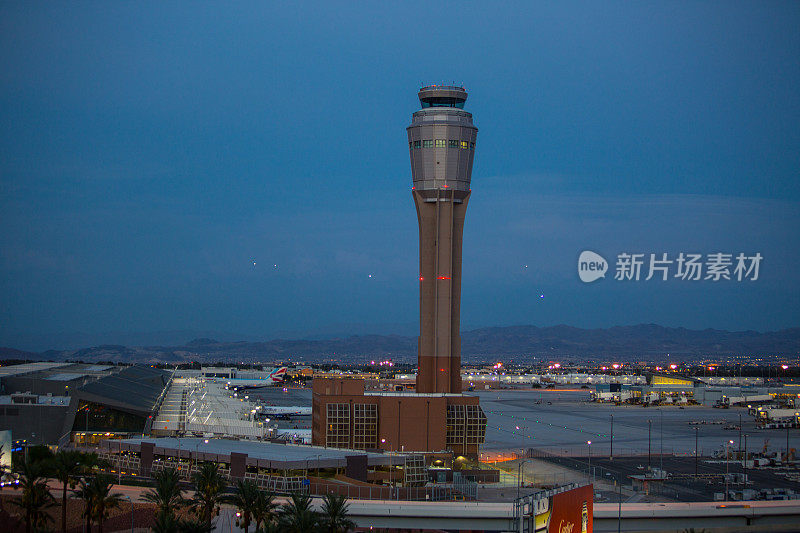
(571,511)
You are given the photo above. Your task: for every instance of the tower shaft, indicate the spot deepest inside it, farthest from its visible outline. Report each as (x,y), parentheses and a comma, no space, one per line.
(441,227)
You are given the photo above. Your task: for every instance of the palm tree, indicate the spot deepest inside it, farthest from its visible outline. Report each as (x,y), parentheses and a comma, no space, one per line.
(193,526)
(36,497)
(165,523)
(84,492)
(296,516)
(271,527)
(209,486)
(166,493)
(90,461)
(334,513)
(245,500)
(264,510)
(64,466)
(103,499)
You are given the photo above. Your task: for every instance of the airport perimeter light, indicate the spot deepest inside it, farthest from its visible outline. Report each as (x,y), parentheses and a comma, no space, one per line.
(589,447)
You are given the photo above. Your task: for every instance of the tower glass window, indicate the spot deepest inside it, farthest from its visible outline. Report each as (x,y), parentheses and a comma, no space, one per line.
(417,144)
(427,144)
(440,143)
(455,425)
(464,145)
(434,101)
(337,433)
(453,143)
(365,426)
(475,424)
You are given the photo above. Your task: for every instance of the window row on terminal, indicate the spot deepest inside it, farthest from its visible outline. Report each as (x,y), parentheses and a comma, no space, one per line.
(442,143)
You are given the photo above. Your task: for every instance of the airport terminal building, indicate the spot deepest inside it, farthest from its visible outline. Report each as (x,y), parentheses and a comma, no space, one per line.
(61,403)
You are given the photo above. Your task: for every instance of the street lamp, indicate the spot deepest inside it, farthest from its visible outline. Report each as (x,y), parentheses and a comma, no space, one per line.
(727,467)
(391,463)
(522,429)
(589,447)
(611,453)
(661,452)
(696,452)
(745,463)
(740,433)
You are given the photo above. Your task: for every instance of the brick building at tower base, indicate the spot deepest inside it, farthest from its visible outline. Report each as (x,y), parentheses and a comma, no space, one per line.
(345,415)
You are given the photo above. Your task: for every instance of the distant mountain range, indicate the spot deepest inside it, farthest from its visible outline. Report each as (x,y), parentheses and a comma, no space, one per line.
(624,343)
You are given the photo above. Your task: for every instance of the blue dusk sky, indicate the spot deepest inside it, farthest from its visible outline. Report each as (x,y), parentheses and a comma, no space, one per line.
(242,169)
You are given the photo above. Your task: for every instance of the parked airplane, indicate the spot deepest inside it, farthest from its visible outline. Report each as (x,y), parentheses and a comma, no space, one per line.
(278,410)
(298,435)
(273,378)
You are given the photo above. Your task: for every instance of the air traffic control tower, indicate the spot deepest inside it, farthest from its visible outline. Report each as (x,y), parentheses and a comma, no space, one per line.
(441,141)
(435,416)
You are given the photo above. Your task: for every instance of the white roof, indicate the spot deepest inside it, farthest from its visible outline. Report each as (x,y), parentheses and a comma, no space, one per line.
(25,368)
(277,455)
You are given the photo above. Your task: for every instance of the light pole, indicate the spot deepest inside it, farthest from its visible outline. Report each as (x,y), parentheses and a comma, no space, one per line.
(611,453)
(661,452)
(740,433)
(745,463)
(521,430)
(649,432)
(696,452)
(391,464)
(520,470)
(589,447)
(727,467)
(787,443)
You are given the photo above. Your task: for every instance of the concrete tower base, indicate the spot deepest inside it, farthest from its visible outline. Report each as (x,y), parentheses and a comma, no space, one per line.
(441,216)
